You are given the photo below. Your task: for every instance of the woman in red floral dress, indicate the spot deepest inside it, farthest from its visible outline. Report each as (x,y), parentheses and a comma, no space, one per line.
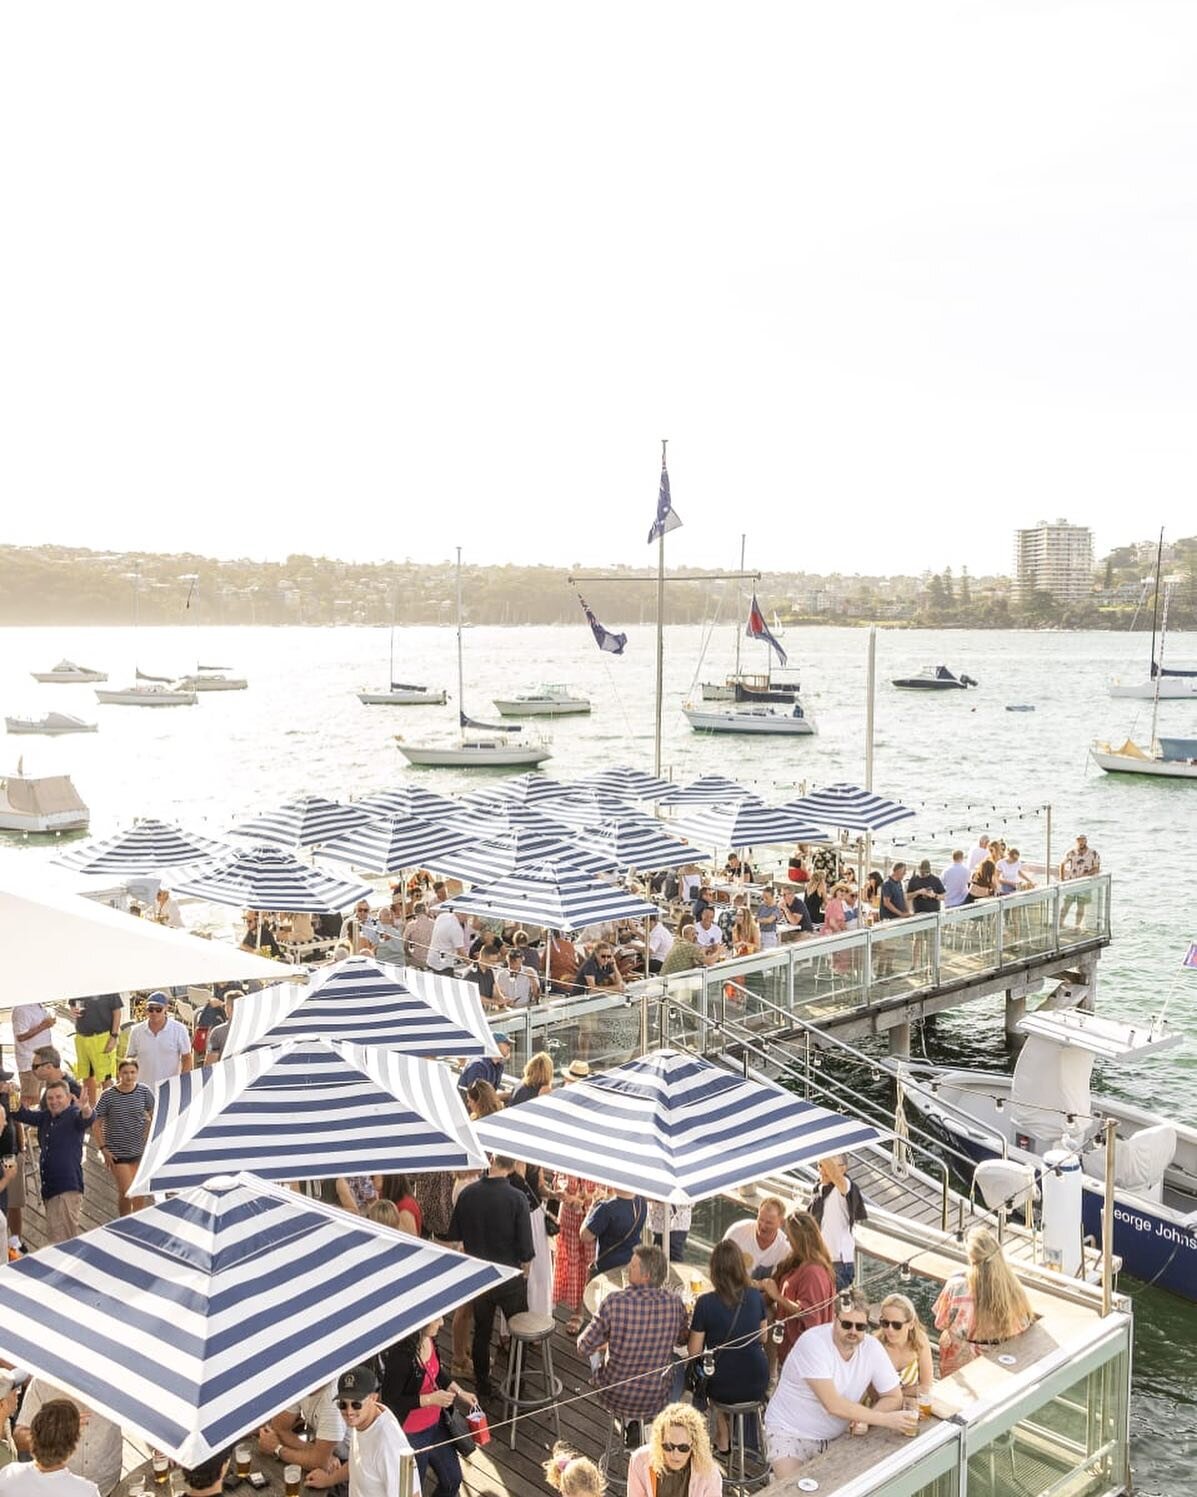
(574,1256)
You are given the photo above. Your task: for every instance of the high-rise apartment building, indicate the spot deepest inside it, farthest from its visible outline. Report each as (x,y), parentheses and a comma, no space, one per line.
(1055,559)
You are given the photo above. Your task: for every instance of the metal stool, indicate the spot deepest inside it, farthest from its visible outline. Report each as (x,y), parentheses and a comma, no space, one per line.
(617,1450)
(747,1471)
(529,1329)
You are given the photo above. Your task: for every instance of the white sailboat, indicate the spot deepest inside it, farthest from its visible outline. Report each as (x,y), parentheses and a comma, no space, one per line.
(751,686)
(213,678)
(479,745)
(400,693)
(1164,758)
(147,691)
(1169,685)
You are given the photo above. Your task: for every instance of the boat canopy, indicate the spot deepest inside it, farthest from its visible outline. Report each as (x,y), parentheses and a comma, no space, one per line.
(1168,670)
(1179,749)
(42,797)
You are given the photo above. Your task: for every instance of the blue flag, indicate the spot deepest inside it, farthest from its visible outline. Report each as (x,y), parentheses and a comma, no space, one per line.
(612,643)
(667,518)
(758,629)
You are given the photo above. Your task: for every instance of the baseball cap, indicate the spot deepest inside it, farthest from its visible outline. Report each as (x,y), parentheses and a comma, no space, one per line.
(5,1075)
(156,1000)
(357,1382)
(501,1039)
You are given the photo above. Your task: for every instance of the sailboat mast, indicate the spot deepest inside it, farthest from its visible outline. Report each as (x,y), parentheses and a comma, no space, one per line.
(394,611)
(1159,675)
(1155,606)
(739,607)
(460,668)
(660,637)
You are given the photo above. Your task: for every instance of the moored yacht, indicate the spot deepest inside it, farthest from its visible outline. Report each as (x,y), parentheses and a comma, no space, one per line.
(40,804)
(53,724)
(747,718)
(212,678)
(545,701)
(934,678)
(68,673)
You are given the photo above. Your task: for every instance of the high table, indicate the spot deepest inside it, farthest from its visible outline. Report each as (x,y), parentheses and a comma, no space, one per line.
(685,1279)
(270,1468)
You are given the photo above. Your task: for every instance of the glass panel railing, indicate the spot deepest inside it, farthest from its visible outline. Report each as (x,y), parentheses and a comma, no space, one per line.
(1084,909)
(1028,923)
(902,956)
(968,941)
(830,976)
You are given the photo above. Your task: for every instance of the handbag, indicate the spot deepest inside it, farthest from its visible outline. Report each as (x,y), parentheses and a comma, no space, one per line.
(696,1378)
(457,1428)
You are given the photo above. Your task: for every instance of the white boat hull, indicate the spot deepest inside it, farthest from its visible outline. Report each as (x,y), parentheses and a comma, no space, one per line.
(402,698)
(475,754)
(1172,689)
(543,707)
(146,697)
(48,727)
(214,683)
(69,678)
(1168,769)
(749,720)
(52,821)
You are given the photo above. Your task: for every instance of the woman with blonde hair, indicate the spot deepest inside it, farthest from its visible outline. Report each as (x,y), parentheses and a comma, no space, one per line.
(980,1307)
(536,1081)
(677,1458)
(573,1475)
(906,1344)
(746,933)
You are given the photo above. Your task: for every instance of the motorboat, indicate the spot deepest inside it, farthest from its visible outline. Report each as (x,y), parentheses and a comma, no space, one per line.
(545,701)
(212,678)
(1167,758)
(1019,707)
(68,673)
(1047,1105)
(934,678)
(44,804)
(479,745)
(404,694)
(148,694)
(793,721)
(52,724)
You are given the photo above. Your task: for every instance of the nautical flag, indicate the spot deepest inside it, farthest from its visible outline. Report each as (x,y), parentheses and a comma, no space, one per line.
(612,643)
(667,517)
(1191,956)
(758,629)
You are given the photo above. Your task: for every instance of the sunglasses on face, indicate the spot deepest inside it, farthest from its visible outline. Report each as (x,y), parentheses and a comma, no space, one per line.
(854,1325)
(669,1449)
(892,1325)
(350,1403)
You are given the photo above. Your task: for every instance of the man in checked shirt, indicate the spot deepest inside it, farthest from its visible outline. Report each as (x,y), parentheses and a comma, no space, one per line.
(640,1326)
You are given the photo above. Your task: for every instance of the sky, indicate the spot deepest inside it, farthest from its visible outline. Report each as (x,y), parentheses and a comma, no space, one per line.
(375,280)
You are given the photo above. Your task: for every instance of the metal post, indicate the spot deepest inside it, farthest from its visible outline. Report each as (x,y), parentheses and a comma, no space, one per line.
(1107,1222)
(1047,817)
(660,638)
(644,1021)
(407,1466)
(870,698)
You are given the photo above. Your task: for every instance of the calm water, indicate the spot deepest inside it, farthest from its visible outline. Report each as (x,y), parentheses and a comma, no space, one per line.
(966,762)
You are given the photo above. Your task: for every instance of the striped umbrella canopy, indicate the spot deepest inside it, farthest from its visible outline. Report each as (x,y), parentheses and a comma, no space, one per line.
(498,856)
(637,842)
(556,898)
(497,819)
(409,800)
(850,807)
(307,1110)
(747,824)
(367,1003)
(672,1127)
(591,807)
(267,878)
(520,790)
(392,844)
(709,790)
(303,822)
(147,847)
(634,784)
(194,1321)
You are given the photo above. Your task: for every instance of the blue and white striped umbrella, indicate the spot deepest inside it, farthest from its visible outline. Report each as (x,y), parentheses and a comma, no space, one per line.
(409,800)
(591,808)
(394,843)
(709,790)
(747,824)
(302,823)
(520,790)
(637,842)
(267,878)
(307,1110)
(672,1127)
(553,897)
(496,857)
(496,819)
(623,780)
(194,1321)
(850,807)
(367,1003)
(146,847)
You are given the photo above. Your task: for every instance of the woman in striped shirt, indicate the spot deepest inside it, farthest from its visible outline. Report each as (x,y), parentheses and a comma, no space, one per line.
(121,1127)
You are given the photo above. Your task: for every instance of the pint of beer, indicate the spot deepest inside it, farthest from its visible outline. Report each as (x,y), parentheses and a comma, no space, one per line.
(244,1460)
(291,1479)
(161,1469)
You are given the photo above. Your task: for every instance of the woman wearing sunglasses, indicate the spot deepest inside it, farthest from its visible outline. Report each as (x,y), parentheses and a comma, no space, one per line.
(677,1461)
(906,1344)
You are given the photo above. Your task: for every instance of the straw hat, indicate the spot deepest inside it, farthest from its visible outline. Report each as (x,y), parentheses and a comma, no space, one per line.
(577,1070)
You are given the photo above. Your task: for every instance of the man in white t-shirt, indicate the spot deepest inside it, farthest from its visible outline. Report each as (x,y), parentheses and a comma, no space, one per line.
(707,935)
(376,1441)
(762,1239)
(326,1431)
(447,944)
(954,879)
(660,943)
(823,1383)
(160,1044)
(54,1435)
(98,1455)
(31,1026)
(979,853)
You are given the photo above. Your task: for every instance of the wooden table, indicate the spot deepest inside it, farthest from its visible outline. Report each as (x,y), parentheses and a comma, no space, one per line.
(685,1279)
(270,1468)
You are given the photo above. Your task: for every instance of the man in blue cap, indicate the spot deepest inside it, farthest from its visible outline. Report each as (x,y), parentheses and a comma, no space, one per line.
(485,1068)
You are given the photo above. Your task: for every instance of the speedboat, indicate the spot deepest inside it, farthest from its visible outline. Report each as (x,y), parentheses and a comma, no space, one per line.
(476,751)
(53,723)
(67,672)
(38,805)
(403,694)
(212,678)
(746,718)
(545,701)
(1047,1105)
(148,694)
(934,678)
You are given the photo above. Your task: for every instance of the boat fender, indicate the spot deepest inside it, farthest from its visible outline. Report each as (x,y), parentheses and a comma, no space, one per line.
(1061,1189)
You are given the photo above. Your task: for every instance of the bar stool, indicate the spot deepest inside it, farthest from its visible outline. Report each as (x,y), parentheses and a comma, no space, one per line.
(747,1470)
(529,1329)
(617,1450)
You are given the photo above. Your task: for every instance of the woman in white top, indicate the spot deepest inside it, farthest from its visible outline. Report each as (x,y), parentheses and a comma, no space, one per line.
(1011,878)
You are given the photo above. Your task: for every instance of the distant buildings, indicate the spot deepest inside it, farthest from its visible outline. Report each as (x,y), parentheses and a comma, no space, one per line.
(1054,559)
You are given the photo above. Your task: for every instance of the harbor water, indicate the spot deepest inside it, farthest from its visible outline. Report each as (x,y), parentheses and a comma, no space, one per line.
(960,757)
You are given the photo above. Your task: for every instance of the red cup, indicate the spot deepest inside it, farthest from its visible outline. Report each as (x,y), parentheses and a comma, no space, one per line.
(479,1428)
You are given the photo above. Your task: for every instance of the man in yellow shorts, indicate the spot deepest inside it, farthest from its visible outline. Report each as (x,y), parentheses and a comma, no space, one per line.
(97,1026)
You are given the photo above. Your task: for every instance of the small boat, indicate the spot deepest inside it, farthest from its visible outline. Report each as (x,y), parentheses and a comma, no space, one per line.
(934,678)
(68,673)
(404,694)
(1019,707)
(1047,1105)
(52,724)
(545,701)
(47,804)
(1175,686)
(148,694)
(212,678)
(747,718)
(1161,683)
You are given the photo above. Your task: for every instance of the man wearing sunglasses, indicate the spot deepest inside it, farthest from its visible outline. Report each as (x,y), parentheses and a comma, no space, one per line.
(822,1384)
(376,1442)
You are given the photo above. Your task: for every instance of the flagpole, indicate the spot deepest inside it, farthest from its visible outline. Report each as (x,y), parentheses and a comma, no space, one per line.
(739,605)
(660,635)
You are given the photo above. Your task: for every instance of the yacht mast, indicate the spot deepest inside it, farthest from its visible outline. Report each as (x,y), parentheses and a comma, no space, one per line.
(739,608)
(460,668)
